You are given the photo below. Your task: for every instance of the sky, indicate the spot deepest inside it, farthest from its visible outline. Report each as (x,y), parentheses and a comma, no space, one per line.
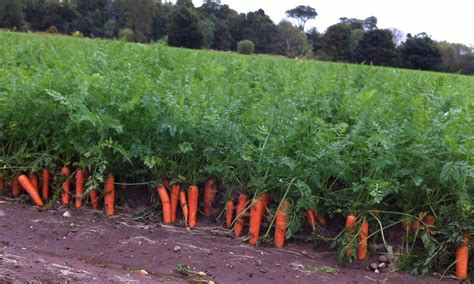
(452,21)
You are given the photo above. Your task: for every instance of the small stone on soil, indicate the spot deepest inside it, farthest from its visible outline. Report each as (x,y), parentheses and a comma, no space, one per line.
(263,270)
(67,214)
(177,249)
(374,266)
(258,262)
(384,259)
(376,271)
(230,266)
(382,265)
(304,252)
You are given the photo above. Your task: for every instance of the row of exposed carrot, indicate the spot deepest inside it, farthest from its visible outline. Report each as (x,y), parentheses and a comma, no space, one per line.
(189,206)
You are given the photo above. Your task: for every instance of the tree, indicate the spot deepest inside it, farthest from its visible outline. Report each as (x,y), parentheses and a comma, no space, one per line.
(222,37)
(368,24)
(337,42)
(302,14)
(183,29)
(315,40)
(293,41)
(420,52)
(376,47)
(11,14)
(260,29)
(454,56)
(140,15)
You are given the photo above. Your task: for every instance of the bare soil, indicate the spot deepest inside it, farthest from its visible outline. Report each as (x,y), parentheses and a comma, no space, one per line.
(89,247)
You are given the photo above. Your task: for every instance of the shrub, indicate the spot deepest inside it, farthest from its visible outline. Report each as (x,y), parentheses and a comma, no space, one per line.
(245,47)
(77,34)
(126,34)
(52,30)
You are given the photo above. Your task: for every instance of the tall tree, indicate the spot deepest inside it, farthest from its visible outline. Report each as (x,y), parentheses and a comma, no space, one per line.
(455,57)
(376,47)
(140,15)
(184,30)
(260,29)
(337,42)
(293,41)
(302,14)
(420,52)
(11,14)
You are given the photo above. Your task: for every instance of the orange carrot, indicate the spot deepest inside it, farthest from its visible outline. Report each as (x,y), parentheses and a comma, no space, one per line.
(429,220)
(265,199)
(45,184)
(281,222)
(184,207)
(415,225)
(229,213)
(66,186)
(255,222)
(16,189)
(193,202)
(350,224)
(165,203)
(34,180)
(362,238)
(462,258)
(310,217)
(239,214)
(79,187)
(94,199)
(209,195)
(175,190)
(30,188)
(109,195)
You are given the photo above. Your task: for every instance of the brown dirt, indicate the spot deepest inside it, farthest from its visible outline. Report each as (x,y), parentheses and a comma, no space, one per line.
(90,247)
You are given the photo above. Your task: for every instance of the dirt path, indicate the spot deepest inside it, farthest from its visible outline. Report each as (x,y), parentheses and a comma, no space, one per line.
(89,247)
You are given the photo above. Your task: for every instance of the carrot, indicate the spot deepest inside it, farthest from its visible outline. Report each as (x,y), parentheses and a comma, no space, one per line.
(255,222)
(320,218)
(265,199)
(209,195)
(79,187)
(310,217)
(351,220)
(229,213)
(175,190)
(462,258)
(165,203)
(109,196)
(45,184)
(16,189)
(429,220)
(184,207)
(415,225)
(193,202)
(66,186)
(281,222)
(34,180)
(30,188)
(239,214)
(94,199)
(362,238)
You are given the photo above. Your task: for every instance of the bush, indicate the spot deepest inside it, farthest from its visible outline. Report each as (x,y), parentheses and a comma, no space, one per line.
(52,30)
(77,34)
(245,47)
(126,34)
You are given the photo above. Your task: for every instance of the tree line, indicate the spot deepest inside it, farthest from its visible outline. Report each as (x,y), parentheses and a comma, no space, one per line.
(219,27)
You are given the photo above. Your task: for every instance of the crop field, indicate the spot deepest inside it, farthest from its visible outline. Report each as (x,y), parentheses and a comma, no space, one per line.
(296,147)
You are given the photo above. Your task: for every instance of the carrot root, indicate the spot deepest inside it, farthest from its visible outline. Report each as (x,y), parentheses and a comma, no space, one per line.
(16,189)
(462,258)
(79,188)
(193,202)
(30,188)
(351,221)
(229,213)
(109,197)
(165,203)
(362,238)
(184,207)
(239,214)
(209,196)
(255,222)
(175,192)
(66,186)
(281,222)
(45,184)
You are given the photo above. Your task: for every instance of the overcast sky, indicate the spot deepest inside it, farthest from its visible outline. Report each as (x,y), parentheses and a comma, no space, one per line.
(451,20)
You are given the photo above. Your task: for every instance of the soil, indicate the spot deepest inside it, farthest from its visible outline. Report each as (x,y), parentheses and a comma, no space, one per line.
(89,247)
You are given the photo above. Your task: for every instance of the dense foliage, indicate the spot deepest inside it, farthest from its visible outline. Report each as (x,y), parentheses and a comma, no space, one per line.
(345,139)
(219,27)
